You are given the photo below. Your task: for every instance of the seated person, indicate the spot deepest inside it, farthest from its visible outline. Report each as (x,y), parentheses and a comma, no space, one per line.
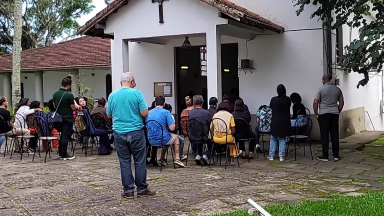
(2,139)
(90,130)
(163,138)
(41,130)
(298,110)
(100,109)
(205,119)
(181,139)
(184,115)
(222,135)
(245,115)
(212,106)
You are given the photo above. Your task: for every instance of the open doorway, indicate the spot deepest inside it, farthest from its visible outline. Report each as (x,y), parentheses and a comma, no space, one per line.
(191,74)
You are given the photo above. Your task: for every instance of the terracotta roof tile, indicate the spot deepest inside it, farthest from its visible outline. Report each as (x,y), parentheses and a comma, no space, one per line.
(224,6)
(76,53)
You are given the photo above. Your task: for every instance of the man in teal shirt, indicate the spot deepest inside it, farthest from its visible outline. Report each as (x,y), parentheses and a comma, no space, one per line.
(127,108)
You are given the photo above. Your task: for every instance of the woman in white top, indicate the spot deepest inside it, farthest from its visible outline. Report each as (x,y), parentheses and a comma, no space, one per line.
(22,112)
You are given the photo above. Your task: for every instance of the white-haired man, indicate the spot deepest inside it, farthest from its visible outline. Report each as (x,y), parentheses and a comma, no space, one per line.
(127,108)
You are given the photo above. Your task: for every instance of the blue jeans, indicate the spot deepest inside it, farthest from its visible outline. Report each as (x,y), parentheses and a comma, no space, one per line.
(199,149)
(128,145)
(2,138)
(273,143)
(181,148)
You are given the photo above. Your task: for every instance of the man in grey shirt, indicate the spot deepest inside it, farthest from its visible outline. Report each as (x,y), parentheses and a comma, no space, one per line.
(328,104)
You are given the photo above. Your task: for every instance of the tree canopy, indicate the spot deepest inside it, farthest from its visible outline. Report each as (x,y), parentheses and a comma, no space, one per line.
(366,52)
(44,21)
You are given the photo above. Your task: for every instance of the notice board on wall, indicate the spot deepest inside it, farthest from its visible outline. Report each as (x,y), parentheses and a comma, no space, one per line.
(162,89)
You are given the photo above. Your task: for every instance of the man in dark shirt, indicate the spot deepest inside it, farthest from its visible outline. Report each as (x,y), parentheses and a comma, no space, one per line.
(6,126)
(212,106)
(227,99)
(65,105)
(205,119)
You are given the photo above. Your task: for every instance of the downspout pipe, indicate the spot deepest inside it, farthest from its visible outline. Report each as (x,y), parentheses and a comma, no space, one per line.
(329,41)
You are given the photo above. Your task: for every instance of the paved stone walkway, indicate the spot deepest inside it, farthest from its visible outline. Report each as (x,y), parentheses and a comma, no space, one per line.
(91,185)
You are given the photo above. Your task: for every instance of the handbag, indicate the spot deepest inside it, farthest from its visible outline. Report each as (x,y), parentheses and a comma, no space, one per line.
(54,117)
(80,124)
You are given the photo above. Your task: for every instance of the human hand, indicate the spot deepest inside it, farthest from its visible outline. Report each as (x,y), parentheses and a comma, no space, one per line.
(317,116)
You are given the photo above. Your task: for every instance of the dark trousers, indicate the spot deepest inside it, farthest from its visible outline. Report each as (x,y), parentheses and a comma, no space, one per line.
(128,145)
(199,149)
(252,143)
(66,133)
(105,146)
(329,125)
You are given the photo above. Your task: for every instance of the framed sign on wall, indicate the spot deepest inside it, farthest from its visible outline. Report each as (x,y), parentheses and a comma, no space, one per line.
(162,89)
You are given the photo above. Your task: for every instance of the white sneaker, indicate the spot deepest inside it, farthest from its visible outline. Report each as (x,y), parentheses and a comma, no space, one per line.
(282,159)
(198,160)
(183,157)
(179,163)
(270,158)
(206,160)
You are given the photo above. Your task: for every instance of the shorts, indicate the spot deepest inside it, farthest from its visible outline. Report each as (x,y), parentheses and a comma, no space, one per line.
(173,139)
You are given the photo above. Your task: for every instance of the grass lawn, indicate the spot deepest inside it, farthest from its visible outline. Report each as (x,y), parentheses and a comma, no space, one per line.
(371,204)
(379,141)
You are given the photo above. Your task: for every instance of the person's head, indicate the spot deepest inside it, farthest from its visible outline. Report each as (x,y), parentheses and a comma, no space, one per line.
(281,91)
(22,102)
(295,98)
(198,101)
(327,78)
(188,101)
(239,105)
(82,102)
(127,80)
(226,97)
(213,101)
(168,107)
(34,105)
(223,107)
(101,102)
(51,105)
(3,102)
(66,83)
(160,101)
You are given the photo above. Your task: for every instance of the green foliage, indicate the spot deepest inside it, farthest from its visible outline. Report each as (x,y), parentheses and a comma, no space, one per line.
(44,21)
(46,110)
(366,52)
(370,204)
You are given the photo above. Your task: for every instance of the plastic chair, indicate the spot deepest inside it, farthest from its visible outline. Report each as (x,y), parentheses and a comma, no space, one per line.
(44,136)
(5,124)
(21,120)
(196,136)
(302,132)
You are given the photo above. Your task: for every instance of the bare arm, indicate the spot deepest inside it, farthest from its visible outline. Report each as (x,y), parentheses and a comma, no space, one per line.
(144,113)
(316,107)
(109,116)
(341,105)
(233,131)
(172,127)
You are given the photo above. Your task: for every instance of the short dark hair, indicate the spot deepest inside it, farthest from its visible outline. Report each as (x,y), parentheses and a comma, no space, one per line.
(295,98)
(51,105)
(213,101)
(2,100)
(239,105)
(34,105)
(66,81)
(226,96)
(160,101)
(168,107)
(101,101)
(223,106)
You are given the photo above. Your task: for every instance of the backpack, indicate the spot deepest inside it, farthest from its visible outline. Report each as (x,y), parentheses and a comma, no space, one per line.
(80,123)
(264,119)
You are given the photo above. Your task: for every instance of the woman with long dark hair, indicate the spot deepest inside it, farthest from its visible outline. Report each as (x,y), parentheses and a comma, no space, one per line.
(281,122)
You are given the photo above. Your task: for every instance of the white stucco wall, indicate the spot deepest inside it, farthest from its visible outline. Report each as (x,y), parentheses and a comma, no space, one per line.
(1,82)
(369,96)
(96,83)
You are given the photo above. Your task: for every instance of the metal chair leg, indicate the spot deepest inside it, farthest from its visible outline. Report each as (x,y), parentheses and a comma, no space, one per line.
(310,147)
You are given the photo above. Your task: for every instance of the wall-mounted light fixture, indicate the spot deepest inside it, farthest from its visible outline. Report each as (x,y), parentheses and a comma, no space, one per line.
(184,67)
(226,70)
(186,43)
(26,77)
(93,74)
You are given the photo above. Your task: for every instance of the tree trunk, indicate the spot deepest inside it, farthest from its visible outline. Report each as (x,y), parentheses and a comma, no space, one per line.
(16,53)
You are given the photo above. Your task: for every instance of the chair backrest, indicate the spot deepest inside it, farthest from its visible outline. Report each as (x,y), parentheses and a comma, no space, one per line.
(264,119)
(20,120)
(42,127)
(3,123)
(242,128)
(99,121)
(308,112)
(303,125)
(153,128)
(195,131)
(184,125)
(219,128)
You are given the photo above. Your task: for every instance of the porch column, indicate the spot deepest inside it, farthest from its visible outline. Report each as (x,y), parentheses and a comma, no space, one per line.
(7,87)
(39,87)
(213,40)
(120,60)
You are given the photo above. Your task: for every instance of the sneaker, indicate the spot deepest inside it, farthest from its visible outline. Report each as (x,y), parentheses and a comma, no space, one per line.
(205,160)
(30,151)
(198,160)
(322,158)
(128,194)
(282,159)
(336,159)
(270,158)
(147,192)
(68,157)
(183,157)
(179,163)
(163,162)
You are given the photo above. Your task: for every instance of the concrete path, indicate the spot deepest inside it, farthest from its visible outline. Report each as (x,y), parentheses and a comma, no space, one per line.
(91,185)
